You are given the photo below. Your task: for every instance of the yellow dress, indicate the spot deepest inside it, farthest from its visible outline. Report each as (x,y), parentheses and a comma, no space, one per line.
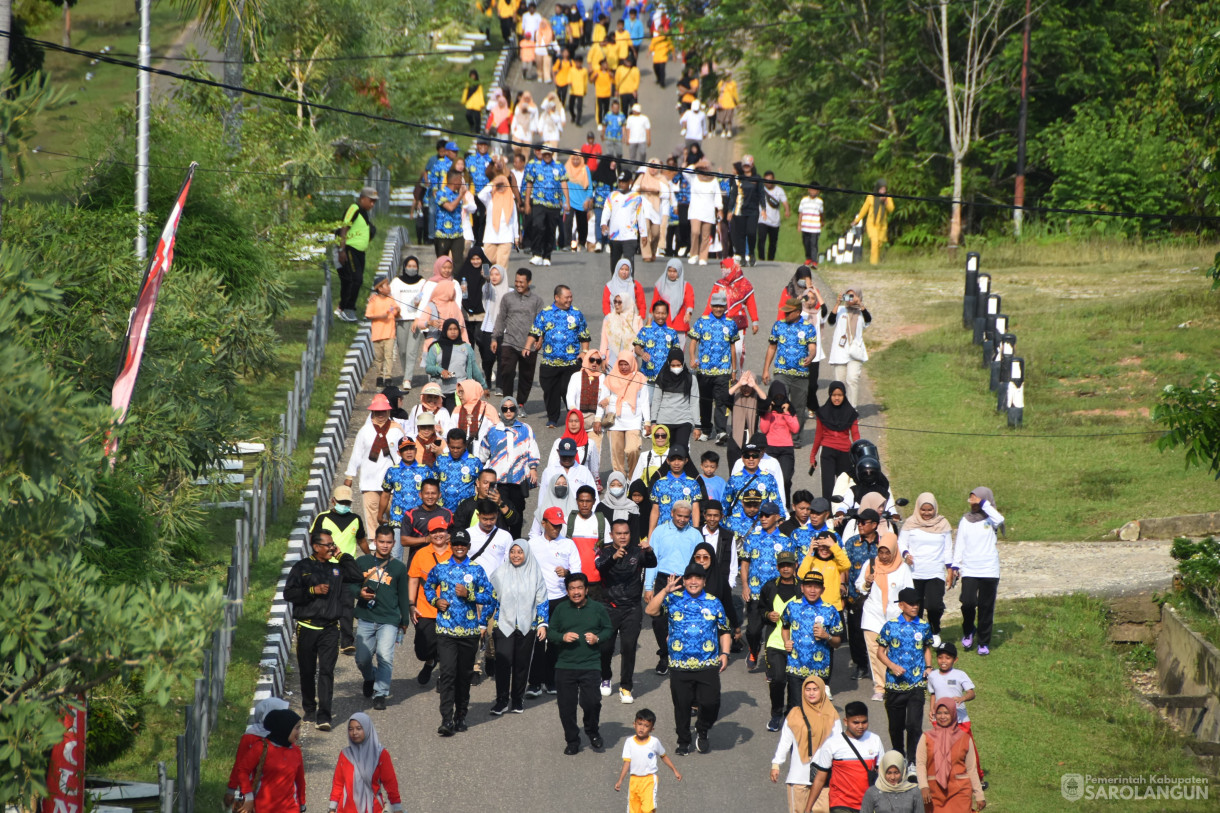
(877,224)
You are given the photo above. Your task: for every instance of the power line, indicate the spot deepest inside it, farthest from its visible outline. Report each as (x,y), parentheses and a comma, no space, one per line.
(286,175)
(288,100)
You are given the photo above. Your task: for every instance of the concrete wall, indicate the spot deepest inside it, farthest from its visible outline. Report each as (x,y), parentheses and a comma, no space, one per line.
(1189,666)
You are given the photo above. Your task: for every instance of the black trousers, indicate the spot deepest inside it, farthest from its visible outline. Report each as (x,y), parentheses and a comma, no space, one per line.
(581,686)
(545,222)
(546,653)
(486,356)
(508,27)
(625,100)
(768,240)
(714,392)
(474,118)
(834,463)
(514,365)
(795,682)
(978,594)
(754,625)
(659,69)
(576,227)
(513,655)
(445,245)
(786,456)
(576,106)
(905,713)
(554,378)
(603,107)
(456,657)
(627,621)
(931,598)
(562,93)
(660,623)
(514,495)
(679,434)
(425,640)
(347,622)
(855,635)
(351,278)
(698,687)
(810,239)
(811,397)
(683,226)
(317,653)
(479,221)
(777,674)
(745,233)
(620,249)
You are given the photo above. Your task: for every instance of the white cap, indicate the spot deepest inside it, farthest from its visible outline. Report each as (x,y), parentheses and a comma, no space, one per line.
(635,108)
(695,105)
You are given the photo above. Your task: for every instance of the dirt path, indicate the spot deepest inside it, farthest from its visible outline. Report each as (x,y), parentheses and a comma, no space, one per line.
(192,35)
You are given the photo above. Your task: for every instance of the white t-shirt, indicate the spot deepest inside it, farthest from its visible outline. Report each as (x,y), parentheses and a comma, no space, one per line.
(643,756)
(811,213)
(694,125)
(770,214)
(561,552)
(637,127)
(704,199)
(497,547)
(953,683)
(587,529)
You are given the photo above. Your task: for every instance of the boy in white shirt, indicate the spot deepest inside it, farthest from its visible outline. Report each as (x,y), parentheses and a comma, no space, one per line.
(640,755)
(949,681)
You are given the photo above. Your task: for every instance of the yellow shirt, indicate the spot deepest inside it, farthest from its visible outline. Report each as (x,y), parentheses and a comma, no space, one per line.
(595,57)
(622,41)
(687,98)
(475,100)
(561,70)
(507,8)
(578,80)
(728,96)
(661,48)
(603,84)
(831,570)
(599,34)
(627,79)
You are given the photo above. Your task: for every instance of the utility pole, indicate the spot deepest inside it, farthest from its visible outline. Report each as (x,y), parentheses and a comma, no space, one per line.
(142,105)
(1018,197)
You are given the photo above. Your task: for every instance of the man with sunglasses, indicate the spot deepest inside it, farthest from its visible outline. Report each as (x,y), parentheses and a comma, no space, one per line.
(511,450)
(751,477)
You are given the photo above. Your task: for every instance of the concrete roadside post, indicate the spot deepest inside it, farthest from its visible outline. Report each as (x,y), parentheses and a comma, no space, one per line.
(970,297)
(980,308)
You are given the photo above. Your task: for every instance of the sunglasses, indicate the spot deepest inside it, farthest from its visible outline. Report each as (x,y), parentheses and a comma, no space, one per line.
(508,409)
(595,361)
(660,436)
(752,456)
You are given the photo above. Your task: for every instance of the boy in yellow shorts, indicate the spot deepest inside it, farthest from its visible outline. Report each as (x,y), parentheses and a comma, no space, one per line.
(640,755)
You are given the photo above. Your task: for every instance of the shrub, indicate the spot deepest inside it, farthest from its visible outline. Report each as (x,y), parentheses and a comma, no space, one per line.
(1199,568)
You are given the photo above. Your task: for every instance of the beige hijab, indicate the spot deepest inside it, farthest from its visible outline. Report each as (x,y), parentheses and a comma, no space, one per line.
(936,525)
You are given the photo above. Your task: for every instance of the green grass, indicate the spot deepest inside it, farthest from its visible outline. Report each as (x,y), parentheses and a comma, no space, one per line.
(1055,698)
(1196,614)
(1100,340)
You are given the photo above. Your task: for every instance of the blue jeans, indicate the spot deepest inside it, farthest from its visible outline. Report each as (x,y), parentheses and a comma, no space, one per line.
(371,638)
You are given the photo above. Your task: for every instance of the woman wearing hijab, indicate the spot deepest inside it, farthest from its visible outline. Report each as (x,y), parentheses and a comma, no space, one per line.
(363,771)
(555,490)
(673,289)
(473,415)
(717,581)
(742,308)
(605,176)
(847,351)
(743,416)
(525,116)
(893,792)
(655,459)
(623,283)
(947,765)
(472,276)
(676,400)
(501,228)
(654,190)
(928,538)
(500,115)
(616,504)
(589,393)
(588,450)
(619,329)
(520,621)
(838,427)
(405,290)
(451,360)
(580,199)
(880,581)
(272,779)
(977,561)
(806,727)
(640,493)
(494,291)
(627,413)
(444,294)
(777,422)
(254,738)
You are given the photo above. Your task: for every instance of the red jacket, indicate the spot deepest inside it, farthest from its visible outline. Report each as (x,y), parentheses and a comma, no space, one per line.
(608,305)
(384,777)
(247,742)
(678,318)
(282,785)
(840,441)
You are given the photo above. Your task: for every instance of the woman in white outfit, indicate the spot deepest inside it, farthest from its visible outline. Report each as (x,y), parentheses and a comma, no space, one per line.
(928,538)
(847,351)
(630,410)
(704,210)
(880,581)
(406,289)
(807,726)
(977,560)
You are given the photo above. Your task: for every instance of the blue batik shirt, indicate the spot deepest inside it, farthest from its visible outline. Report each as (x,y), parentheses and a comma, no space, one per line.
(668,490)
(683,193)
(613,122)
(437,171)
(904,643)
(561,332)
(859,552)
(695,626)
(738,484)
(792,341)
(403,483)
(809,655)
(715,337)
(559,24)
(601,193)
(760,549)
(478,164)
(448,224)
(656,340)
(457,478)
(547,179)
(464,616)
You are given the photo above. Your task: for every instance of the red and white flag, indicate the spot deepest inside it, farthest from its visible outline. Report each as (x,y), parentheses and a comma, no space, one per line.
(141,314)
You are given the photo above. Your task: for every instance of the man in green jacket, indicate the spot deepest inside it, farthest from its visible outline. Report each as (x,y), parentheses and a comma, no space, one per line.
(381,620)
(577,625)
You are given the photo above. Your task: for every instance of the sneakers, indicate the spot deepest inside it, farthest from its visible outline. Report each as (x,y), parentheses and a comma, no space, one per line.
(367,688)
(572,750)
(597,248)
(348,650)
(518,709)
(323,724)
(777,720)
(499,708)
(702,262)
(752,664)
(425,674)
(459,725)
(682,251)
(535,260)
(310,717)
(533,691)
(546,261)
(446,729)
(968,642)
(984,650)
(573,245)
(551,690)
(701,743)
(625,696)
(379,702)
(605,688)
(682,751)
(936,642)
(663,666)
(596,742)
(878,697)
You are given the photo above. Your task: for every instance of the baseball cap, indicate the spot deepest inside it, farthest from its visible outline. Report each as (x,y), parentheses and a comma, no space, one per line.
(768,508)
(545,148)
(694,105)
(785,557)
(720,298)
(947,648)
(635,108)
(343,494)
(751,449)
(908,595)
(438,524)
(624,176)
(813,577)
(553,515)
(369,192)
(695,570)
(678,451)
(406,443)
(567,447)
(431,389)
(425,419)
(461,539)
(452,146)
(747,160)
(819,505)
(482,140)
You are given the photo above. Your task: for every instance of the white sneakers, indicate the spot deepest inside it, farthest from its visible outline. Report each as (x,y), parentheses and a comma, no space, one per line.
(546,262)
(682,251)
(535,260)
(625,696)
(605,688)
(597,248)
(702,262)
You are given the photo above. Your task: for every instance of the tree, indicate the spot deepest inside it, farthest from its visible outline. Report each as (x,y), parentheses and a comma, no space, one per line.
(22,100)
(1193,417)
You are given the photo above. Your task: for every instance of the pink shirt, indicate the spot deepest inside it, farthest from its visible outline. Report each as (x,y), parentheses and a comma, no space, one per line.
(778,427)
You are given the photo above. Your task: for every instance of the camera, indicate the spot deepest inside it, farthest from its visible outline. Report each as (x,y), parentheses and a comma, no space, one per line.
(372,587)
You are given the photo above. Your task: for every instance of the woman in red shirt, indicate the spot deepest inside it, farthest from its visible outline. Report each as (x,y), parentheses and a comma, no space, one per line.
(363,771)
(272,779)
(676,292)
(838,428)
(255,736)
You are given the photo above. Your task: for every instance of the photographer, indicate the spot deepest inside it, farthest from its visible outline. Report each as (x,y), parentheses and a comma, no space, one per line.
(847,351)
(314,587)
(382,615)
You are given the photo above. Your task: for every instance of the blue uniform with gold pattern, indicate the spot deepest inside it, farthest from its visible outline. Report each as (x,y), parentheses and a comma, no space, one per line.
(809,655)
(669,489)
(464,616)
(560,332)
(457,478)
(656,340)
(403,483)
(695,626)
(760,549)
(904,643)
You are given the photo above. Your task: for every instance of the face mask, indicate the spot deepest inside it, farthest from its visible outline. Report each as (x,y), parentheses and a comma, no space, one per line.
(560,491)
(675,370)
(340,508)
(616,491)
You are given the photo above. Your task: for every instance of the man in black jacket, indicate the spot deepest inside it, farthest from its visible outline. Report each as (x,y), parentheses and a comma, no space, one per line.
(621,565)
(772,600)
(485,488)
(745,205)
(725,544)
(314,587)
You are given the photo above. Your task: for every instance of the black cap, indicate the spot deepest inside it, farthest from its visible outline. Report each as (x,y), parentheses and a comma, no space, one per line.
(567,447)
(908,595)
(751,448)
(461,537)
(824,534)
(482,140)
(947,648)
(678,451)
(710,505)
(752,495)
(813,577)
(695,570)
(625,176)
(819,505)
(868,515)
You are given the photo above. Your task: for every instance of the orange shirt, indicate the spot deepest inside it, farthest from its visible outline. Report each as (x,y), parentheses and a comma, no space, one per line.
(421,565)
(381,311)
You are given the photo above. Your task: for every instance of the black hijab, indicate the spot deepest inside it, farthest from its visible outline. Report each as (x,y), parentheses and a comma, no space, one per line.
(405,274)
(605,174)
(448,344)
(279,725)
(804,273)
(777,396)
(640,487)
(472,300)
(667,381)
(715,579)
(837,418)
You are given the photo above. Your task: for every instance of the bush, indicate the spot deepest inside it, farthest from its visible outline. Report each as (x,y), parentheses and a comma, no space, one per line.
(1199,568)
(116,712)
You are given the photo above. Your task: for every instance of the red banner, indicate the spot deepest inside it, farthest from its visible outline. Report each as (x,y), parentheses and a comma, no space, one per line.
(146,302)
(66,773)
